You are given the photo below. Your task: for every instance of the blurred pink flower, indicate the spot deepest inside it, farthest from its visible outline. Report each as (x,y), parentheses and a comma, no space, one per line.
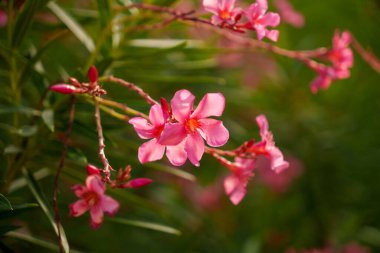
(93,199)
(267,146)
(259,20)
(3,18)
(288,14)
(235,185)
(193,125)
(223,11)
(152,150)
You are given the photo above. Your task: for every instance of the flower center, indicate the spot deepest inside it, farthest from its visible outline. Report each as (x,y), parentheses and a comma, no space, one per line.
(224,14)
(192,125)
(91,198)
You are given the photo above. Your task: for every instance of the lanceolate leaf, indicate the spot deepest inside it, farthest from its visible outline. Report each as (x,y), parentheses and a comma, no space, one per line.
(4,203)
(48,118)
(35,189)
(73,25)
(17,209)
(147,225)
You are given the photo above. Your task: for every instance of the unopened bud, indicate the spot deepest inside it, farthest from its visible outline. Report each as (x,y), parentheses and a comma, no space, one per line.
(165,108)
(64,88)
(92,74)
(138,182)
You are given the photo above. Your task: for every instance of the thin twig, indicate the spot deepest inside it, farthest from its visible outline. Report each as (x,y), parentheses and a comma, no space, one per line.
(60,167)
(107,167)
(367,56)
(126,109)
(130,86)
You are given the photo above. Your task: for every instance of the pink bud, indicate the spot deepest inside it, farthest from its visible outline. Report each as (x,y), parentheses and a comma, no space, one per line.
(92,170)
(138,182)
(92,74)
(64,88)
(165,108)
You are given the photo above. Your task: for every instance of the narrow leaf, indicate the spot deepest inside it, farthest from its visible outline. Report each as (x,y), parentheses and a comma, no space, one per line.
(73,25)
(17,209)
(38,194)
(48,118)
(6,228)
(146,225)
(4,203)
(24,21)
(174,171)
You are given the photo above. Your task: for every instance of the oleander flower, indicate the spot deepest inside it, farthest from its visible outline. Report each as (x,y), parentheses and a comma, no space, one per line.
(193,126)
(235,185)
(94,200)
(152,150)
(259,20)
(223,11)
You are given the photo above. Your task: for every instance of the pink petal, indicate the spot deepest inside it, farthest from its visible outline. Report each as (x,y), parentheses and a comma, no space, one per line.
(271,19)
(92,170)
(212,104)
(143,128)
(260,31)
(182,105)
(109,205)
(211,6)
(263,5)
(79,190)
(173,134)
(194,147)
(177,154)
(234,189)
(215,133)
(95,184)
(156,116)
(96,214)
(262,121)
(150,151)
(228,5)
(278,163)
(139,182)
(273,35)
(78,208)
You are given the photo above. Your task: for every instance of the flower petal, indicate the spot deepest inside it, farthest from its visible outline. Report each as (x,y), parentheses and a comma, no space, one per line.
(79,190)
(156,116)
(177,154)
(234,188)
(211,6)
(95,184)
(262,121)
(214,131)
(143,128)
(212,104)
(278,163)
(150,151)
(270,19)
(182,105)
(96,214)
(109,205)
(194,147)
(172,134)
(78,208)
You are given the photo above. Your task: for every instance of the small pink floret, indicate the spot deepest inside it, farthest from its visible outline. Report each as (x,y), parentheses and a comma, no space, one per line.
(223,11)
(92,74)
(92,170)
(139,182)
(92,199)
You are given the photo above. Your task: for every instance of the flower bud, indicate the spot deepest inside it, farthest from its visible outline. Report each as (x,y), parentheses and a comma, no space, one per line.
(92,170)
(138,182)
(64,88)
(92,74)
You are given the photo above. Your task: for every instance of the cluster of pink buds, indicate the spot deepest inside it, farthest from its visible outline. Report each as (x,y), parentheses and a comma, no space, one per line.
(181,129)
(244,163)
(92,195)
(256,17)
(341,58)
(75,87)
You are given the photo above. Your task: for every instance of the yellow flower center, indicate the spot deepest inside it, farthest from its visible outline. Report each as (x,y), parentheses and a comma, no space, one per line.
(192,125)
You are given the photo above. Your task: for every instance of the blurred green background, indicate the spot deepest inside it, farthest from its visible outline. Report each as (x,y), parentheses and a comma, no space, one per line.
(329,197)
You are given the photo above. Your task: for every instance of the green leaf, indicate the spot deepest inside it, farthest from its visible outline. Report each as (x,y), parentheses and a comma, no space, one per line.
(4,203)
(17,209)
(27,131)
(104,8)
(48,118)
(38,194)
(37,241)
(73,25)
(24,21)
(146,225)
(12,149)
(6,228)
(174,171)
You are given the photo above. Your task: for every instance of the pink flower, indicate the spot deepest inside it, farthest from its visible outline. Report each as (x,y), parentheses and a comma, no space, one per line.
(267,146)
(3,18)
(152,150)
(92,198)
(341,54)
(223,10)
(288,14)
(259,20)
(326,75)
(235,185)
(193,125)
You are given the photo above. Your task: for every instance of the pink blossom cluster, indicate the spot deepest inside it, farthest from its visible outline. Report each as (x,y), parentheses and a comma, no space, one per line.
(289,14)
(341,58)
(181,130)
(256,17)
(242,168)
(92,195)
